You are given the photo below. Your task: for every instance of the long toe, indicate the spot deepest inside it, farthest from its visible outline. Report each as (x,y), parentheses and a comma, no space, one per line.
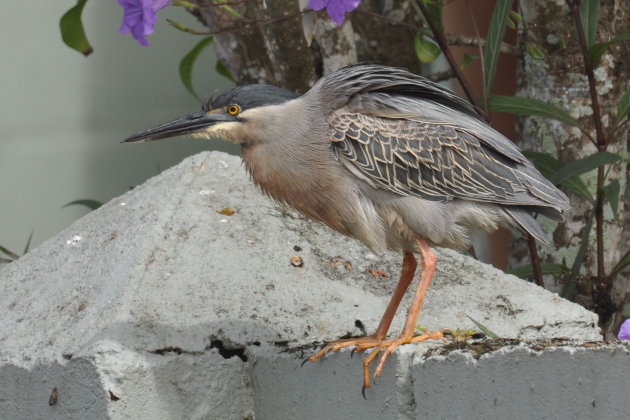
(388,346)
(360,344)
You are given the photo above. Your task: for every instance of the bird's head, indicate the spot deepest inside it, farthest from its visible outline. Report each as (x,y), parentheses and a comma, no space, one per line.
(230,115)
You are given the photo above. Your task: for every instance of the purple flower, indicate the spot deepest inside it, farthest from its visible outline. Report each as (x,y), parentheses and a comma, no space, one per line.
(336,9)
(140,17)
(624,331)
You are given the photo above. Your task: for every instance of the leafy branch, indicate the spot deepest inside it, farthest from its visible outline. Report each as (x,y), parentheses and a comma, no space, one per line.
(585,16)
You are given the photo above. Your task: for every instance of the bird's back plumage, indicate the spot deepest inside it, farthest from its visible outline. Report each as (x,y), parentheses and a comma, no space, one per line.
(401,133)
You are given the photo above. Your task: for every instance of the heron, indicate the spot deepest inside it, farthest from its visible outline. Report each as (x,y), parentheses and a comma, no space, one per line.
(384,156)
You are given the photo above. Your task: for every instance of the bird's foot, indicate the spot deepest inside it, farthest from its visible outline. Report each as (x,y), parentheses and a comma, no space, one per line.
(364,342)
(384,347)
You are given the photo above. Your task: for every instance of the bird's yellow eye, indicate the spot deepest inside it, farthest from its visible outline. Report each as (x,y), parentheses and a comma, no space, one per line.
(233,109)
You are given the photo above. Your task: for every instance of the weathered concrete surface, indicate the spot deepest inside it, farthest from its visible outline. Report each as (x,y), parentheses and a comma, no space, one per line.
(494,379)
(162,305)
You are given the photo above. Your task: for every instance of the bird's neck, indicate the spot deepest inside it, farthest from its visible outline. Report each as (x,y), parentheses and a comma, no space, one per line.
(306,179)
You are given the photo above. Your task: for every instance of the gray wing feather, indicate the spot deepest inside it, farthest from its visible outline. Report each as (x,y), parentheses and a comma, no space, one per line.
(438,162)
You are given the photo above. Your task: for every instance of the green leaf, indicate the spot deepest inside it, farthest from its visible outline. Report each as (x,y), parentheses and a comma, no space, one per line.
(510,24)
(596,50)
(544,162)
(184,4)
(527,106)
(468,59)
(28,242)
(426,51)
(231,10)
(527,271)
(435,10)
(188,62)
(584,165)
(623,107)
(72,31)
(549,165)
(619,267)
(535,52)
(496,32)
(180,26)
(568,290)
(12,255)
(589,14)
(516,17)
(483,328)
(91,204)
(611,191)
(223,71)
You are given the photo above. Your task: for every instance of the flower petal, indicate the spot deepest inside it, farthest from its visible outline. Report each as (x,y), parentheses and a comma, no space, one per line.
(317,4)
(350,5)
(336,9)
(140,17)
(337,14)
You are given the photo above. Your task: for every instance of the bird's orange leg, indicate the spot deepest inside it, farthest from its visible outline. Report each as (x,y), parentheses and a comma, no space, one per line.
(406,276)
(407,335)
(429,261)
(378,341)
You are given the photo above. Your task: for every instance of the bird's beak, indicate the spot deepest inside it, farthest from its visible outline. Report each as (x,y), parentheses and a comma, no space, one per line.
(190,124)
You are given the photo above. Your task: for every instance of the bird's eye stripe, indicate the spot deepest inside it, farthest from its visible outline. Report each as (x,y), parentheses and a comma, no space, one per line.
(233,109)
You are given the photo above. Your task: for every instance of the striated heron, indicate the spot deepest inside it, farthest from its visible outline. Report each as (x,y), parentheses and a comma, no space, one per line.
(386,157)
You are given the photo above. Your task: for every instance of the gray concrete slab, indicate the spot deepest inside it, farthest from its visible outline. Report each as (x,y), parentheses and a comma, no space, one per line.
(179,308)
(486,379)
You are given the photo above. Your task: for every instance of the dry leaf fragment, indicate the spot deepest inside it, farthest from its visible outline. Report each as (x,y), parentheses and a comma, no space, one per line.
(378,273)
(226,211)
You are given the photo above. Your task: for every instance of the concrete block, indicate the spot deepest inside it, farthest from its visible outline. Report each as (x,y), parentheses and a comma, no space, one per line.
(178,299)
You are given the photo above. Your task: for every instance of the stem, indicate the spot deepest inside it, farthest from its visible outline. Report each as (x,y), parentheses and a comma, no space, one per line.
(533,252)
(484,88)
(440,39)
(467,41)
(602,143)
(599,225)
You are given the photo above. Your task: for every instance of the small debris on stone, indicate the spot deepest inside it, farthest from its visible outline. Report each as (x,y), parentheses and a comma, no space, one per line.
(113,397)
(53,397)
(338,260)
(226,211)
(74,241)
(297,261)
(297,248)
(375,272)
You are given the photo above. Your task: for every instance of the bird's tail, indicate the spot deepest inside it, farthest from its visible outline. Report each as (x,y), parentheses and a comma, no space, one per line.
(525,222)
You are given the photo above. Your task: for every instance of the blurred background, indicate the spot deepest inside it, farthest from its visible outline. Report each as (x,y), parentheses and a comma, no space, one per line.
(63,115)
